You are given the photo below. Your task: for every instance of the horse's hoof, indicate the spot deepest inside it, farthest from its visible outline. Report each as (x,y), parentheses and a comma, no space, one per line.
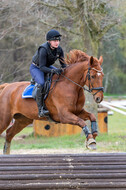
(91,144)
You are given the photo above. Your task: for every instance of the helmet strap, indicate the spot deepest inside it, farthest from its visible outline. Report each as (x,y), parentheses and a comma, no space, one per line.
(50,45)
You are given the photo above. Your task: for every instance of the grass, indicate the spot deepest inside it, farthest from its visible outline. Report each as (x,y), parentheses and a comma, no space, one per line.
(115,140)
(107,95)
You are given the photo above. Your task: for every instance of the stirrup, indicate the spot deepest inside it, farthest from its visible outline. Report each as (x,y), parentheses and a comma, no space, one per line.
(43,112)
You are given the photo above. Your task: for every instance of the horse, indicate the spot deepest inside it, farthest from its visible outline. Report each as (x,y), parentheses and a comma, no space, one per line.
(65,100)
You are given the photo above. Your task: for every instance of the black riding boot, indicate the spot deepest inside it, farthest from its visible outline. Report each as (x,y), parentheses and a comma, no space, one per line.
(44,112)
(40,101)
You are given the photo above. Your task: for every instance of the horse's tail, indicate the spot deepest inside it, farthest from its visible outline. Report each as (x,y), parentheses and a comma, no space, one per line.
(2,86)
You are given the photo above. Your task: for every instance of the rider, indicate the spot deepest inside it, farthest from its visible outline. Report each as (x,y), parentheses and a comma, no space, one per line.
(42,62)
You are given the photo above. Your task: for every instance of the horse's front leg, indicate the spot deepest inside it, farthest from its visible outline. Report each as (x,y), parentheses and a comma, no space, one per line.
(89,116)
(67,117)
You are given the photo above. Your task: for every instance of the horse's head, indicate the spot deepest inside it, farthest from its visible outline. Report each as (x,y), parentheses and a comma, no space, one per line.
(94,78)
(94,75)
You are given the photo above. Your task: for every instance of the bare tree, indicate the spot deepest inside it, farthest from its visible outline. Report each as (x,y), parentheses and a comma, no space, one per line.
(87,21)
(23,25)
(20,34)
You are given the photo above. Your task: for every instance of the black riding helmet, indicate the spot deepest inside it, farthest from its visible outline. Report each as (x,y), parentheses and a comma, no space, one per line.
(53,35)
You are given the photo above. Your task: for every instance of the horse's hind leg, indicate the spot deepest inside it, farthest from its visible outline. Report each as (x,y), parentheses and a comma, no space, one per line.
(20,123)
(4,122)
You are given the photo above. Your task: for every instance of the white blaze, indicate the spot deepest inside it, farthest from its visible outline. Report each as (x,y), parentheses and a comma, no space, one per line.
(98,74)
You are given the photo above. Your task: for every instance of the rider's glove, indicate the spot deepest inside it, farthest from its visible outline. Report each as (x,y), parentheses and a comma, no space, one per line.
(56,71)
(64,65)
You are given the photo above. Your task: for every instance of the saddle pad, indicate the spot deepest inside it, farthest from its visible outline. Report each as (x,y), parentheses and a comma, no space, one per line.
(28,91)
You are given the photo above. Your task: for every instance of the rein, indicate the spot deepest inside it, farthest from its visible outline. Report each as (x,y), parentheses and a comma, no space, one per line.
(89,79)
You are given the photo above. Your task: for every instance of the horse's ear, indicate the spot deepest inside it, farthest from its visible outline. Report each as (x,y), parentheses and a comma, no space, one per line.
(100,60)
(91,60)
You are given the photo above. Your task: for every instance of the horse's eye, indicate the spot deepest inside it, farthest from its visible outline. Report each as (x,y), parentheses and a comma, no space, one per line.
(92,76)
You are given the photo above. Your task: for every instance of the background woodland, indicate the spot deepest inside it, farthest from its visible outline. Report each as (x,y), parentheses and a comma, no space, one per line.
(97,27)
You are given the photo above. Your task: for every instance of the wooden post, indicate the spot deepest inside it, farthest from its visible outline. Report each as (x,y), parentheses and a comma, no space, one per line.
(103,120)
(52,129)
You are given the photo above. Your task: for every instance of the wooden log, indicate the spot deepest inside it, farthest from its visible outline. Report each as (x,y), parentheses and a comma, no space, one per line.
(63,176)
(68,171)
(62,185)
(65,156)
(70,167)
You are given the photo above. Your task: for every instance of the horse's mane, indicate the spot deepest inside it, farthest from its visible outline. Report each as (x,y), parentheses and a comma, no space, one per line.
(76,56)
(2,86)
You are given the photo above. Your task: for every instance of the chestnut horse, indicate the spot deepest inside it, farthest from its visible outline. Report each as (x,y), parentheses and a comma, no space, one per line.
(65,100)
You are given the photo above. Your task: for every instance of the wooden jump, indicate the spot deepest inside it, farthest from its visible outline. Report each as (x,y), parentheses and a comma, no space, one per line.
(99,171)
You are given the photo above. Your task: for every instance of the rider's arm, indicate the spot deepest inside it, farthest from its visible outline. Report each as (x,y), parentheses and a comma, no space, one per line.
(61,59)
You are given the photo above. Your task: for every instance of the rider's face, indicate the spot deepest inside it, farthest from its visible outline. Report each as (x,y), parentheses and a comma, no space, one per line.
(54,43)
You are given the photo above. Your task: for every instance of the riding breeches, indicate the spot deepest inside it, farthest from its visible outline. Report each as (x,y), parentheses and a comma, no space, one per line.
(37,74)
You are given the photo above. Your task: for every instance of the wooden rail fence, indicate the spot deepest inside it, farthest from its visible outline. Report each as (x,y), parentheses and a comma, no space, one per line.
(92,171)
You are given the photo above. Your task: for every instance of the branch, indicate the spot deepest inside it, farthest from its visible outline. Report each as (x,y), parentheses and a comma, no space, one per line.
(105,30)
(62,7)
(61,27)
(70,6)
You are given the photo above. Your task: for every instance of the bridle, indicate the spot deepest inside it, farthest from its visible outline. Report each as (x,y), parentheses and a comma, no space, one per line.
(90,84)
(89,79)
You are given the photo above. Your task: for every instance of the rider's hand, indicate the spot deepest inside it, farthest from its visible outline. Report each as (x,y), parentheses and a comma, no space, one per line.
(64,65)
(57,71)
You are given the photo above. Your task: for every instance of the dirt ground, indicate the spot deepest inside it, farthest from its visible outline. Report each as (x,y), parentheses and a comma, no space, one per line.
(53,151)
(48,151)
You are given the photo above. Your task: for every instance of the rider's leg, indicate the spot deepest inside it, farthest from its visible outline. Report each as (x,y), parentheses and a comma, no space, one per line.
(38,76)
(40,101)
(39,98)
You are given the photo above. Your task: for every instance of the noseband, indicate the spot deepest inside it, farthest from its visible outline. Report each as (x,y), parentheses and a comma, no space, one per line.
(90,84)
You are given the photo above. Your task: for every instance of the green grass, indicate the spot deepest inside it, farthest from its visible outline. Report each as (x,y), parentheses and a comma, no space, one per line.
(73,141)
(115,140)
(117,124)
(114,95)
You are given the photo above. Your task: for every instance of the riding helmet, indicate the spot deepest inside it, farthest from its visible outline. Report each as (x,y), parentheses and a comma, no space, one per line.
(53,35)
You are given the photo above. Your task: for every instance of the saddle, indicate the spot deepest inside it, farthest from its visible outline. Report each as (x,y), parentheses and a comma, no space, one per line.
(30,90)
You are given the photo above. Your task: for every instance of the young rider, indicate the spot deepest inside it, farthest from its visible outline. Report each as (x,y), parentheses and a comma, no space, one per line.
(42,63)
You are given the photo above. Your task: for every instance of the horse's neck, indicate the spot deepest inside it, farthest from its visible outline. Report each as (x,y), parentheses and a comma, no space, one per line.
(76,72)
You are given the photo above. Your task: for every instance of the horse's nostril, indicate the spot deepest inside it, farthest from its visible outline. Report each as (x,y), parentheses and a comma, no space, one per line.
(98,99)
